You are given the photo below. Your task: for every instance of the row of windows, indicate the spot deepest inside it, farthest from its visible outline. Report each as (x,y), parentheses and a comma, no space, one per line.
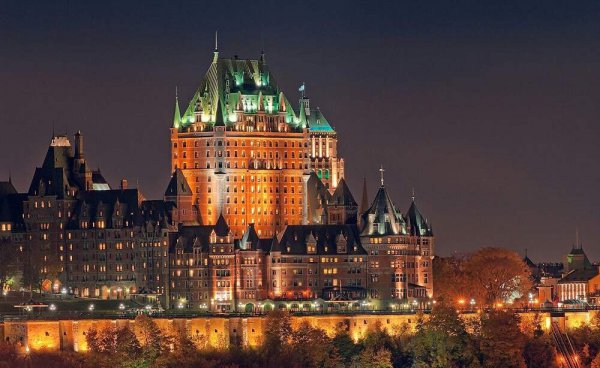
(264,143)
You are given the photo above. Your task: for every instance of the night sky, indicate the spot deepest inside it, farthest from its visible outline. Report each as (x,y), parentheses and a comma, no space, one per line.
(491,112)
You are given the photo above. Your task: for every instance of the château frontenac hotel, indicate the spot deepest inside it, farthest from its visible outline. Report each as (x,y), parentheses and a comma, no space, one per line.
(256,214)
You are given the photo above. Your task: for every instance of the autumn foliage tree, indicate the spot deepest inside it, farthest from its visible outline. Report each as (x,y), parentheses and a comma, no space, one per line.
(502,342)
(488,276)
(497,274)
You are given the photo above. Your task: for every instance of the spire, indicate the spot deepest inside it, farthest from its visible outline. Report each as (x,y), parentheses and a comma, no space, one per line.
(177,114)
(10,176)
(219,120)
(413,194)
(262,57)
(364,203)
(216,52)
(302,118)
(381,171)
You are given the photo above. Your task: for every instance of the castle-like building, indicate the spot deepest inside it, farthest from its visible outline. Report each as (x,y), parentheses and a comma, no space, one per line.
(256,211)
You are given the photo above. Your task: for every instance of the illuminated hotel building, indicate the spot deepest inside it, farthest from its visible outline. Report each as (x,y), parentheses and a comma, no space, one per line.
(256,211)
(246,153)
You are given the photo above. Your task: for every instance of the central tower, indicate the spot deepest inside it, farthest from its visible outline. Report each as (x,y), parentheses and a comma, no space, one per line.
(243,150)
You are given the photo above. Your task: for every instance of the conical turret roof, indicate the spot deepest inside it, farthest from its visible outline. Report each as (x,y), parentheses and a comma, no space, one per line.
(418,224)
(382,218)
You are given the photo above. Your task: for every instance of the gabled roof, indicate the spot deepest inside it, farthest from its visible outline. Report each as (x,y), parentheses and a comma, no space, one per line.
(251,241)
(529,262)
(189,236)
(98,181)
(178,185)
(582,275)
(342,195)
(295,238)
(417,223)
(221,227)
(6,187)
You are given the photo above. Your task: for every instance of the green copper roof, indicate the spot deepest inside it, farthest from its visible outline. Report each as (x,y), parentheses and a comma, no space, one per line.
(234,85)
(317,122)
(177,115)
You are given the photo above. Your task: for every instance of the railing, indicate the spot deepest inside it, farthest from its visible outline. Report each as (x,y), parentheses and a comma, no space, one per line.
(178,313)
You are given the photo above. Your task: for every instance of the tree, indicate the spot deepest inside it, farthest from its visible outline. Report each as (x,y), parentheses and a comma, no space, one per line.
(8,257)
(151,338)
(345,346)
(596,362)
(113,346)
(278,333)
(450,280)
(501,340)
(496,274)
(311,347)
(442,341)
(370,358)
(540,352)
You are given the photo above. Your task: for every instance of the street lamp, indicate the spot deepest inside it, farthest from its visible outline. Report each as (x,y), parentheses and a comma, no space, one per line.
(52,307)
(121,306)
(91,308)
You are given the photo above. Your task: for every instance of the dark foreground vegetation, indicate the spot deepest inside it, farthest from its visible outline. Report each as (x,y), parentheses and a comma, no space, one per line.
(492,340)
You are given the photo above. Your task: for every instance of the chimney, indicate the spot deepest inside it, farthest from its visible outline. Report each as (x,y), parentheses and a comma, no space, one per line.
(123,184)
(78,145)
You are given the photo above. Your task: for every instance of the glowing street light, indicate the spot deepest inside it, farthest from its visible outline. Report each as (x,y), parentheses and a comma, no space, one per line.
(52,307)
(91,308)
(121,306)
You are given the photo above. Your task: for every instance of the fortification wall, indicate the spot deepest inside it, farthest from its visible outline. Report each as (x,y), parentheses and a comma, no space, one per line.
(222,332)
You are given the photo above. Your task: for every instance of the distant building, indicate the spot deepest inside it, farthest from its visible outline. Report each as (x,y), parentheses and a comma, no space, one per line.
(581,279)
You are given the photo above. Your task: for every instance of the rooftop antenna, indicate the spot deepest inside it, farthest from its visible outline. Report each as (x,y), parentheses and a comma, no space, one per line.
(413,194)
(577,245)
(10,175)
(381,171)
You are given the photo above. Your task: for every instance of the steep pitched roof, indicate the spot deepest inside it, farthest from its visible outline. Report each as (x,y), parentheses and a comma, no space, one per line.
(342,195)
(221,227)
(223,86)
(317,122)
(190,236)
(250,239)
(295,238)
(176,114)
(178,185)
(382,218)
(417,223)
(6,187)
